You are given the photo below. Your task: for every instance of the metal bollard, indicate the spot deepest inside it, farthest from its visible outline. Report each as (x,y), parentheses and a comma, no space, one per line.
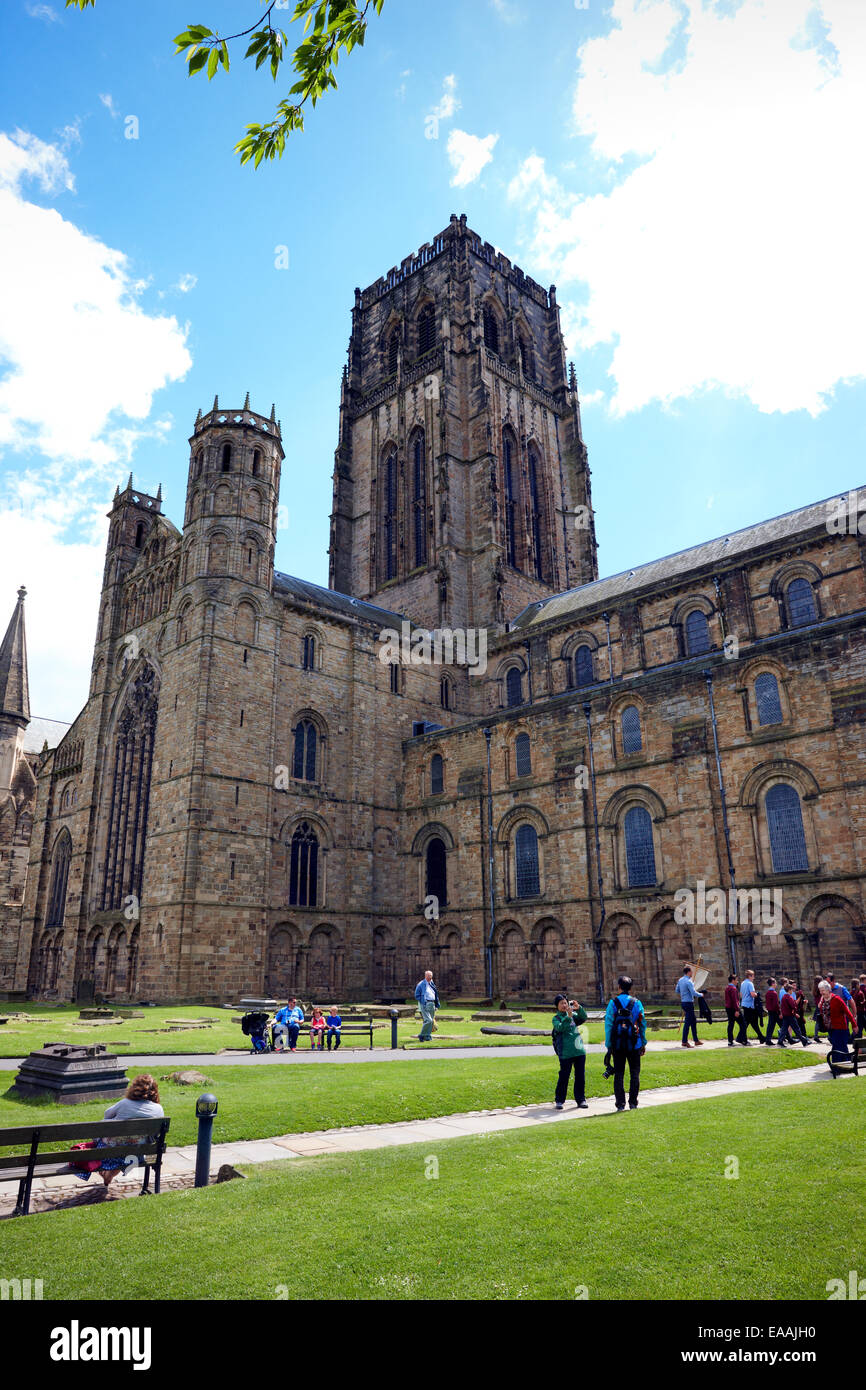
(205,1109)
(394,1017)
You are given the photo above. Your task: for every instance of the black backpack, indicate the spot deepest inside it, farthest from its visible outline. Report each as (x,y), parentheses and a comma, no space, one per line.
(625,1032)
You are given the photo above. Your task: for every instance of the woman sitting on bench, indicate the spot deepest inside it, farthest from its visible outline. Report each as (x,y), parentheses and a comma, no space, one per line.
(140,1102)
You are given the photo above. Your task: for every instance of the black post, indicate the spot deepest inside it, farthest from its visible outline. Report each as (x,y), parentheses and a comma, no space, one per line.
(394,1017)
(205,1110)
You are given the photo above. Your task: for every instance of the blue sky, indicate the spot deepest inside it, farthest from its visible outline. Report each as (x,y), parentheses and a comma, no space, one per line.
(683,170)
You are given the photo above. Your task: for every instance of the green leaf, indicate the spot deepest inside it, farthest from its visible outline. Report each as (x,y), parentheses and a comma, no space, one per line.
(197,61)
(212,63)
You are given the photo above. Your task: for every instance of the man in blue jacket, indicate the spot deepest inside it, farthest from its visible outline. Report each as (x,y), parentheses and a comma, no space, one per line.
(625,1039)
(428,1002)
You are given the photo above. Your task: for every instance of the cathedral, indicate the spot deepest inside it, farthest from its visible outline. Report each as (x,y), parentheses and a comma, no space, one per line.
(469,753)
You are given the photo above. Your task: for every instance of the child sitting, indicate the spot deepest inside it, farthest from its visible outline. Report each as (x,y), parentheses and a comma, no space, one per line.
(334,1023)
(317,1029)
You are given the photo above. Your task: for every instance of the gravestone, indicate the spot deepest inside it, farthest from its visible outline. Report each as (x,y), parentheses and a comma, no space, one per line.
(71,1074)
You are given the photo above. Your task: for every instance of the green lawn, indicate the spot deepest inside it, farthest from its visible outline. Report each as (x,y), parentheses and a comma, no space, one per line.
(258,1103)
(60,1023)
(631,1207)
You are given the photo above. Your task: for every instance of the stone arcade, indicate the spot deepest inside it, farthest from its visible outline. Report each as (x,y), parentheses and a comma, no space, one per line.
(169,859)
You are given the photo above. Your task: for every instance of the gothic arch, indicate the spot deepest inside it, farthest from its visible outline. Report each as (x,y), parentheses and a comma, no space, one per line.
(835,936)
(325,964)
(511,960)
(281,968)
(762,777)
(432,830)
(125,793)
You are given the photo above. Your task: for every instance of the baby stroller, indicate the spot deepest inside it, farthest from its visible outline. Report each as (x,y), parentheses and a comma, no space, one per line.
(255,1027)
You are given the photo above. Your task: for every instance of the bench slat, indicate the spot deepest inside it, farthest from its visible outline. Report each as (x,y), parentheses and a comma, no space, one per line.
(43,1160)
(91,1129)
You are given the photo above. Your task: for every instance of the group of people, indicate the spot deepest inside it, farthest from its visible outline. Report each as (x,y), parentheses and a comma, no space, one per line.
(836,1011)
(624,1039)
(286,1027)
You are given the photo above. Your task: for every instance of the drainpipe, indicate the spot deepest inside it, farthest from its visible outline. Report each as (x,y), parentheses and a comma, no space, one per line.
(606,617)
(528,668)
(732,944)
(596,941)
(490,863)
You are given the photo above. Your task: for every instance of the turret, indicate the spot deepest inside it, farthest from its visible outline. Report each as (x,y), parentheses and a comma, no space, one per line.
(14,694)
(232,495)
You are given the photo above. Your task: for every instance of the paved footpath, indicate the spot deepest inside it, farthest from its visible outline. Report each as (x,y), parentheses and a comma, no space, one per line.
(201,1061)
(180,1162)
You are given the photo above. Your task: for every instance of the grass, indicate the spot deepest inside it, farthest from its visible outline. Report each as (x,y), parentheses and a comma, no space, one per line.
(630,1207)
(60,1023)
(258,1103)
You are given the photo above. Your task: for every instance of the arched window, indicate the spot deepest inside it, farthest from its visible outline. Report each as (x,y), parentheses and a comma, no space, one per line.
(59,880)
(139,535)
(437,775)
(309,652)
(304,767)
(445,698)
(394,672)
(632,741)
(491,331)
(535,514)
(257,455)
(437,871)
(522,755)
(514,687)
(526,363)
(785,827)
(393,351)
(304,867)
(697,633)
(199,464)
(801,603)
(526,862)
(583,671)
(767,699)
(426,330)
(639,851)
(128,791)
(389,501)
(419,497)
(226,464)
(510,481)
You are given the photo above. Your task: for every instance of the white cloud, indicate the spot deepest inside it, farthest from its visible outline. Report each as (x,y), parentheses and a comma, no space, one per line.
(469,154)
(507,12)
(43,12)
(81,358)
(183,285)
(449,103)
(108,102)
(731,255)
(80,361)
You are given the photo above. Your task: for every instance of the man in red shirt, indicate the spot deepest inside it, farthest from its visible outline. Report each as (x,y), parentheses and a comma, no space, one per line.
(732,1006)
(771,1000)
(790,1017)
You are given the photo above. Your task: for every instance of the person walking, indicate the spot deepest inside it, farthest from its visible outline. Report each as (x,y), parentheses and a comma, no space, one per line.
(771,998)
(817,1017)
(732,1005)
(790,1018)
(625,1040)
(688,996)
(748,1009)
(569,1046)
(428,1002)
(838,1018)
(858,996)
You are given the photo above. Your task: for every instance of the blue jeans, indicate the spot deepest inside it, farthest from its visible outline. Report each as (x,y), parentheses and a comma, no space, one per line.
(428,1016)
(689,1022)
(839,1044)
(294,1030)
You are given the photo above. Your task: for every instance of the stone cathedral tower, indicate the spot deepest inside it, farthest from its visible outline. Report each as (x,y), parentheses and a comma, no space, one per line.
(461,484)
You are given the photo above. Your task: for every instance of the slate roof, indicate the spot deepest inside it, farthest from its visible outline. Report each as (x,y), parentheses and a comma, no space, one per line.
(675,567)
(338,603)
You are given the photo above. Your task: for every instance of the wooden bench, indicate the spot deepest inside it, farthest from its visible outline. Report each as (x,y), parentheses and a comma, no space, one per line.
(355,1025)
(853,1064)
(144,1139)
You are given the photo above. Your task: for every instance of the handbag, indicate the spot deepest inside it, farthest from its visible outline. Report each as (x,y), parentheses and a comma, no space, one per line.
(88,1167)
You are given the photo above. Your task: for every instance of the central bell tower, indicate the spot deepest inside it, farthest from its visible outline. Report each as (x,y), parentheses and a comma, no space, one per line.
(461,482)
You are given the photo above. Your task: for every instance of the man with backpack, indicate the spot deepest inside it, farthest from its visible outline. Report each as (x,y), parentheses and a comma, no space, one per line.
(569,1048)
(625,1039)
